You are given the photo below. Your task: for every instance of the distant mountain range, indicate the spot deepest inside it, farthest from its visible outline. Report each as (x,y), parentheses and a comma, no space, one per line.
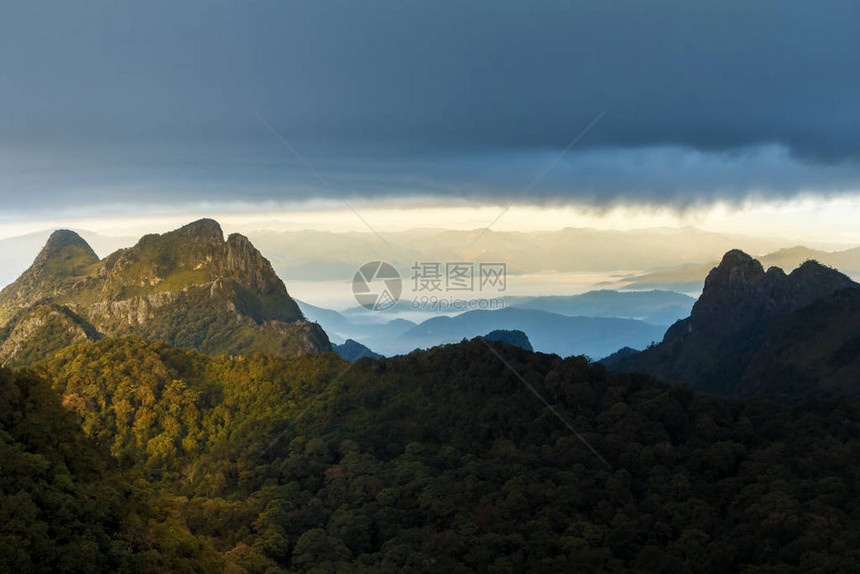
(655,306)
(548,332)
(341,326)
(593,323)
(762,332)
(189,287)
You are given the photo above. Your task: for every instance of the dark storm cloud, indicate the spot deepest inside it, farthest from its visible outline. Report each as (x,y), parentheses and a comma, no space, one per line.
(99,101)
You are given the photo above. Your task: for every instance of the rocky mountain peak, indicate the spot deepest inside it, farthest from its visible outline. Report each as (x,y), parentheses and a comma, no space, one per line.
(775,271)
(241,252)
(189,241)
(64,260)
(738,292)
(197,246)
(746,317)
(736,269)
(65,244)
(812,281)
(188,287)
(203,229)
(811,270)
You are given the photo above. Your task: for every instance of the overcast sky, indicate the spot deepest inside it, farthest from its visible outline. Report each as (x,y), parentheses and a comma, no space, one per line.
(116,106)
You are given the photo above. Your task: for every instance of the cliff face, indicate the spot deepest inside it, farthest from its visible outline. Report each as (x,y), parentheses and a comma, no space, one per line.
(188,287)
(735,317)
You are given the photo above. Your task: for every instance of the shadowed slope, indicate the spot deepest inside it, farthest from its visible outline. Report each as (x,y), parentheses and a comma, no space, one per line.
(733,320)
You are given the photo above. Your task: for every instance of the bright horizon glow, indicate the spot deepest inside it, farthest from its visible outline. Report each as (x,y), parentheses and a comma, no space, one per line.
(824,223)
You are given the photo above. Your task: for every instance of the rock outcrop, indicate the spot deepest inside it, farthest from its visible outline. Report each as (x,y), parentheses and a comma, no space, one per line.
(739,292)
(739,309)
(188,287)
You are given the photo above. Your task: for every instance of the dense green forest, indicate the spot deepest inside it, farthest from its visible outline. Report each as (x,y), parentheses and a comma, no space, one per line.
(66,507)
(440,460)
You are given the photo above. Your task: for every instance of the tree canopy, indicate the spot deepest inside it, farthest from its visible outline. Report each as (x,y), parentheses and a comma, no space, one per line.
(444,460)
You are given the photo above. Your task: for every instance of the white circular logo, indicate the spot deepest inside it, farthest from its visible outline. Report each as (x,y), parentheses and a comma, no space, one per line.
(377,286)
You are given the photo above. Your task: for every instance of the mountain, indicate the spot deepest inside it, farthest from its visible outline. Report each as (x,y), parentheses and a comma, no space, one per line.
(548,332)
(740,311)
(17,253)
(64,260)
(188,287)
(353,350)
(512,337)
(619,355)
(362,326)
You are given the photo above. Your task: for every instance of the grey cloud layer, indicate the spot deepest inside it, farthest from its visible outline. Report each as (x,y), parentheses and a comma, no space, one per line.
(708,100)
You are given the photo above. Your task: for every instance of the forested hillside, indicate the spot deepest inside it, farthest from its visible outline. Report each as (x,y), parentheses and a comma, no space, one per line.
(64,505)
(444,460)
